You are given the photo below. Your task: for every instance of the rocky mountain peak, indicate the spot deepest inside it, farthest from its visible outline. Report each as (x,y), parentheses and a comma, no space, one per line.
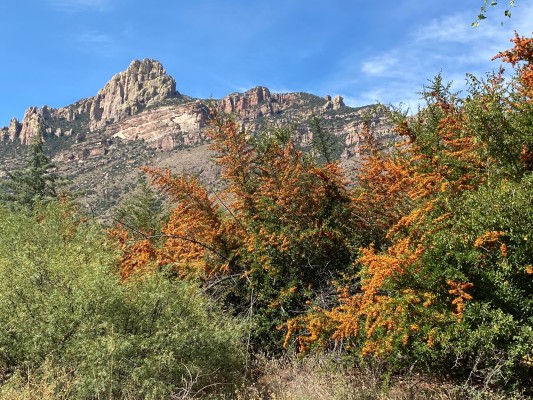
(129,92)
(147,66)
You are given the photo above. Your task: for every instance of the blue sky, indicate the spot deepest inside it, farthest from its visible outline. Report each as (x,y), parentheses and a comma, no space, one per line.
(55,52)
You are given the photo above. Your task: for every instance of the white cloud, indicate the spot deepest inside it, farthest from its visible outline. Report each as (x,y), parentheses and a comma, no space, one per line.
(95,38)
(379,65)
(99,43)
(448,44)
(453,28)
(81,5)
(395,94)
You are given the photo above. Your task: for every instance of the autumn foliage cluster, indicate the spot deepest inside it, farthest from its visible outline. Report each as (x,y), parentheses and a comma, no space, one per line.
(282,230)
(447,281)
(424,258)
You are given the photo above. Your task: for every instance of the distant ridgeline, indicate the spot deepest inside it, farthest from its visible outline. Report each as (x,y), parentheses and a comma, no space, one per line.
(140,118)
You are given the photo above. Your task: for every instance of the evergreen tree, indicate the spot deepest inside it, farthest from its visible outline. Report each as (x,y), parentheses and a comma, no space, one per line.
(326,146)
(35,181)
(140,211)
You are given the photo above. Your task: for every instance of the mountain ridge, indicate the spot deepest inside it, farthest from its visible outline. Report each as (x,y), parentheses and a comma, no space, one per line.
(139,117)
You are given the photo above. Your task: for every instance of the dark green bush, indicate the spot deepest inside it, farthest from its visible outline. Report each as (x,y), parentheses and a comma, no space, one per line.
(494,342)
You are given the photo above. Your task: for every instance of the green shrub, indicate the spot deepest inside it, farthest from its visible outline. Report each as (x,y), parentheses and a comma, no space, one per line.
(62,305)
(493,344)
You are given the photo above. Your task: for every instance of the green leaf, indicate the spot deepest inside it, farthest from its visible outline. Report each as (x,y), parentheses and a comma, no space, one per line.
(481,16)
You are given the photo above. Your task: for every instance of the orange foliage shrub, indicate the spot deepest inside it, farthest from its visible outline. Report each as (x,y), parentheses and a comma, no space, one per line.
(409,195)
(282,228)
(406,195)
(137,254)
(521,53)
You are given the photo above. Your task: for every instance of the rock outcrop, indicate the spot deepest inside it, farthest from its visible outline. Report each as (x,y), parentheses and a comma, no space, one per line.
(86,150)
(257,102)
(13,130)
(338,102)
(334,104)
(31,123)
(166,127)
(250,104)
(127,93)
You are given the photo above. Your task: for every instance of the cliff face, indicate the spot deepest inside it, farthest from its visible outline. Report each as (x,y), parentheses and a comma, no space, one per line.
(11,132)
(165,127)
(255,103)
(139,118)
(33,119)
(127,93)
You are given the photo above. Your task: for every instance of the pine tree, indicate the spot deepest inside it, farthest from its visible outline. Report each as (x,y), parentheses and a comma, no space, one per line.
(141,210)
(326,146)
(33,182)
